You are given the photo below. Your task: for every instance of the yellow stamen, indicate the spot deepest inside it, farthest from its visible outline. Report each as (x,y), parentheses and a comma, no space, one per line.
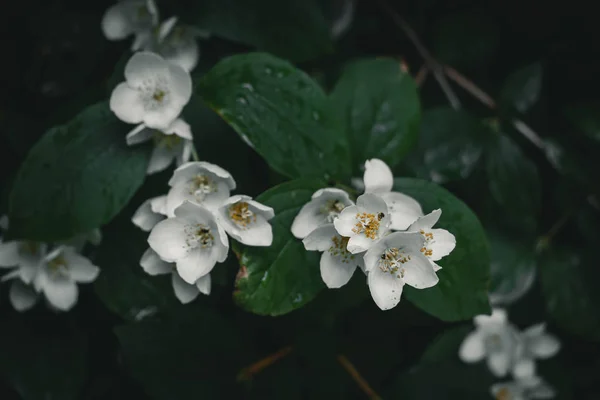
(241,214)
(368,224)
(159,95)
(340,248)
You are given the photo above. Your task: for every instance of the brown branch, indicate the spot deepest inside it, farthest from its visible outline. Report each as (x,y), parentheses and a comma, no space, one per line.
(469,86)
(362,383)
(421,75)
(248,372)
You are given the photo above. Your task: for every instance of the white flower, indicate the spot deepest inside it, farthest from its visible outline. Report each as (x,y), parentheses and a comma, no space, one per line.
(393,261)
(403,209)
(58,276)
(494,339)
(364,223)
(175,142)
(132,17)
(535,343)
(438,242)
(192,240)
(154,93)
(324,206)
(185,292)
(26,258)
(200,182)
(246,220)
(177,44)
(150,213)
(527,388)
(337,263)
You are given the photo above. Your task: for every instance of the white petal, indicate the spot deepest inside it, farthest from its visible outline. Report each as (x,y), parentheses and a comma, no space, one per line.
(181,83)
(127,104)
(524,368)
(22,297)
(308,219)
(194,213)
(443,244)
(189,170)
(186,55)
(472,349)
(180,128)
(335,270)
(378,176)
(162,117)
(166,27)
(184,292)
(142,40)
(9,254)
(158,204)
(145,218)
(499,363)
(498,317)
(372,203)
(221,248)
(385,288)
(542,391)
(373,255)
(116,24)
(259,234)
(139,134)
(168,239)
(409,241)
(185,153)
(203,284)
(198,263)
(145,67)
(162,156)
(153,264)
(321,238)
(346,221)
(266,211)
(359,243)
(403,209)
(426,222)
(80,268)
(61,293)
(419,273)
(543,346)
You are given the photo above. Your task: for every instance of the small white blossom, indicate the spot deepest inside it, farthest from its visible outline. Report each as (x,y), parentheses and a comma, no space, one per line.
(324,206)
(173,143)
(364,223)
(527,388)
(438,242)
(25,258)
(58,276)
(534,344)
(177,44)
(403,209)
(185,292)
(200,182)
(495,339)
(150,213)
(337,263)
(396,260)
(131,17)
(192,239)
(154,93)
(246,220)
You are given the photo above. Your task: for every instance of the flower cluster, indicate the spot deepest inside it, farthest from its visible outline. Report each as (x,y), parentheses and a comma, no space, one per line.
(384,233)
(506,349)
(189,226)
(49,270)
(140,18)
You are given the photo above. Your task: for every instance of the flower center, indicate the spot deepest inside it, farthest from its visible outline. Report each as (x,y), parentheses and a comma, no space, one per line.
(368,224)
(339,248)
(332,209)
(199,235)
(155,92)
(493,342)
(241,214)
(503,394)
(428,242)
(392,261)
(201,186)
(168,141)
(27,247)
(58,265)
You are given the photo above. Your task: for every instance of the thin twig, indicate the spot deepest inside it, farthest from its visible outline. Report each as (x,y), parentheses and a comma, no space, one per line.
(431,62)
(469,86)
(362,383)
(421,75)
(250,371)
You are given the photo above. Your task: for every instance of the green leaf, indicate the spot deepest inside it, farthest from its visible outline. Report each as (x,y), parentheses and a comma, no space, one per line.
(76,178)
(513,180)
(294,29)
(284,276)
(379,106)
(462,291)
(446,345)
(586,117)
(522,88)
(569,279)
(513,269)
(281,112)
(450,145)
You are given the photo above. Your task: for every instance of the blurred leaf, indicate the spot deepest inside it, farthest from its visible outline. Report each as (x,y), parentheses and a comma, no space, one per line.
(569,280)
(513,269)
(513,181)
(586,117)
(522,88)
(462,290)
(294,29)
(281,112)
(379,105)
(76,178)
(43,364)
(284,276)
(450,145)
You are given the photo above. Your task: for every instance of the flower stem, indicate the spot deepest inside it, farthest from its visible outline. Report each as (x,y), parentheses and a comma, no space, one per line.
(195,153)
(248,372)
(362,383)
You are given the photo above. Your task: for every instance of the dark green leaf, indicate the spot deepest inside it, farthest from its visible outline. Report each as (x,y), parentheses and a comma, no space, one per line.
(586,117)
(445,346)
(294,29)
(379,106)
(462,291)
(513,180)
(450,145)
(281,112)
(284,276)
(522,88)
(76,178)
